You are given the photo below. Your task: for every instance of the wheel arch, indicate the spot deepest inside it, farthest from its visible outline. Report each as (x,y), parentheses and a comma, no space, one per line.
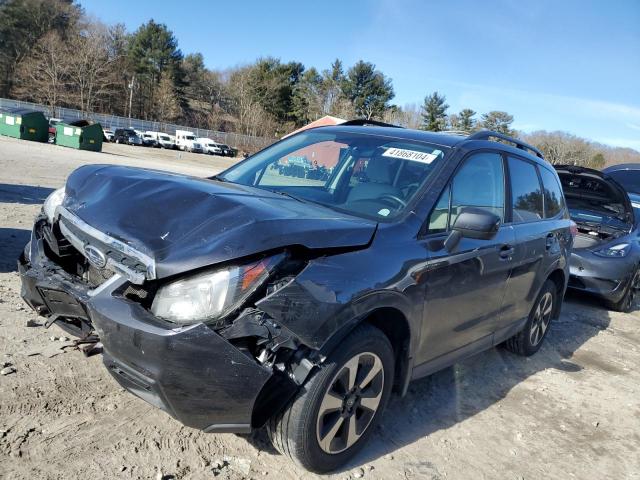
(396,327)
(559,278)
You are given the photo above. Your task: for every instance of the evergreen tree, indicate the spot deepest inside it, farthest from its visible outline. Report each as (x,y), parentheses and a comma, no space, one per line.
(498,122)
(368,90)
(153,51)
(466,122)
(434,112)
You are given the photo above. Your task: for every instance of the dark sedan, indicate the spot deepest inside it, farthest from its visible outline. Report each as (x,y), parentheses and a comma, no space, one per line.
(606,253)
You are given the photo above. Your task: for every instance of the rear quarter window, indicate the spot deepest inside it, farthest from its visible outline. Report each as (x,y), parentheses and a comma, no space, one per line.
(553,197)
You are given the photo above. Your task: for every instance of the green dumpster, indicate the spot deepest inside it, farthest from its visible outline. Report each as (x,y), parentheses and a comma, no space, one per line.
(80,135)
(24,124)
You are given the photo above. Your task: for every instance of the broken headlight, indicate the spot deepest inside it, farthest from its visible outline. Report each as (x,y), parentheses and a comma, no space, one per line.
(619,250)
(211,295)
(52,202)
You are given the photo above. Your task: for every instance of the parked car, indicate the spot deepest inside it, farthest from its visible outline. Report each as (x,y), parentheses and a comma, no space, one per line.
(210,147)
(606,256)
(127,136)
(107,134)
(52,128)
(299,303)
(149,140)
(227,151)
(163,140)
(628,176)
(187,141)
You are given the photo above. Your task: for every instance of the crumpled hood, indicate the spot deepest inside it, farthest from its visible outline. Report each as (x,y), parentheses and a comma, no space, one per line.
(185,222)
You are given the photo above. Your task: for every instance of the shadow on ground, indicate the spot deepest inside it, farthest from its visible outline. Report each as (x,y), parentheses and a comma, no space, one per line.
(24,194)
(12,242)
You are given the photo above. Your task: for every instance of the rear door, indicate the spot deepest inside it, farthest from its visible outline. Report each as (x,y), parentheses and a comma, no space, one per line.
(465,287)
(536,235)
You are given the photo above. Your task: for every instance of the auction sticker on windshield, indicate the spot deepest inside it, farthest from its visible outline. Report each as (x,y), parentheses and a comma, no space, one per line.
(412,155)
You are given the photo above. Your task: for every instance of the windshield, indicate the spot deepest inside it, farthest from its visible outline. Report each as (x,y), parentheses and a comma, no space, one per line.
(190,137)
(164,137)
(370,176)
(629,179)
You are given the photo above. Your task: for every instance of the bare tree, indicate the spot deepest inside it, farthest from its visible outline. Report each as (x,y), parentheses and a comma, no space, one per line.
(90,66)
(166,105)
(42,76)
(562,148)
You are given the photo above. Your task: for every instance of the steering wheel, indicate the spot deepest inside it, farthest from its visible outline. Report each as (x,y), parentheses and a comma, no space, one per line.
(394,198)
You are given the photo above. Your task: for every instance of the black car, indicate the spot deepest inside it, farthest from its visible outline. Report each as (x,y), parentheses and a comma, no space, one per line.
(127,136)
(606,255)
(227,151)
(258,298)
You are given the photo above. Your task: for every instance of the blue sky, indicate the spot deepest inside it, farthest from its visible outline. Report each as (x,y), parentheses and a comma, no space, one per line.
(555,65)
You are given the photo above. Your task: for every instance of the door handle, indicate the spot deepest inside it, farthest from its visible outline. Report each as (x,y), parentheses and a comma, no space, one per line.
(506,252)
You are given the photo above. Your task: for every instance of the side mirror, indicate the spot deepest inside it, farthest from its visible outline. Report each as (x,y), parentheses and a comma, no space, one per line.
(473,222)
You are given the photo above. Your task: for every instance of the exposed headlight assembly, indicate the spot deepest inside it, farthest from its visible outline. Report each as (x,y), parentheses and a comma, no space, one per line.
(616,251)
(52,202)
(209,296)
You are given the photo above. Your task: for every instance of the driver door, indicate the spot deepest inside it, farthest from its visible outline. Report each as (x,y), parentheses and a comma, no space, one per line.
(465,287)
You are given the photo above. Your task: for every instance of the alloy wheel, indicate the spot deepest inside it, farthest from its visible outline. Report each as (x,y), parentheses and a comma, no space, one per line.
(541,319)
(634,288)
(350,403)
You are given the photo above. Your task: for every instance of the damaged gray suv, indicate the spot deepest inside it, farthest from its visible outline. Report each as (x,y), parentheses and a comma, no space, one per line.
(300,287)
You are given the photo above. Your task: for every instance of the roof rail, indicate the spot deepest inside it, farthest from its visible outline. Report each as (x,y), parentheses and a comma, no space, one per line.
(361,122)
(455,132)
(487,134)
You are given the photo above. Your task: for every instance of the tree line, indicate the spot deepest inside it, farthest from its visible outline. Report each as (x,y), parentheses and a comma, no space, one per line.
(53,53)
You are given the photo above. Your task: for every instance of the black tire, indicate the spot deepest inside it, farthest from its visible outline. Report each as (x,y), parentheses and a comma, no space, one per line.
(295,432)
(627,303)
(530,338)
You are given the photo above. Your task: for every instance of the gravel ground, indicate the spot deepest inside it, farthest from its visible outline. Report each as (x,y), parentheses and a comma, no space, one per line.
(571,411)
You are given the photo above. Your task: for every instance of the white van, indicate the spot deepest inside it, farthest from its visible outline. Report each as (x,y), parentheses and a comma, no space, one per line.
(186,140)
(163,139)
(209,146)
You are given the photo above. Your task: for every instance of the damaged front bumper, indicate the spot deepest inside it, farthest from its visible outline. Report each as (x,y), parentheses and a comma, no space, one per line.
(604,277)
(191,372)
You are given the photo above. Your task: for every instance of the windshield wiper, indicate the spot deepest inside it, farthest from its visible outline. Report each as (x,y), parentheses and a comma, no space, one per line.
(218,178)
(286,194)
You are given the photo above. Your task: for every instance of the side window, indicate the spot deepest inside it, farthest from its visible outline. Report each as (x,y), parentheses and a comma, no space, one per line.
(479,183)
(439,218)
(526,192)
(553,198)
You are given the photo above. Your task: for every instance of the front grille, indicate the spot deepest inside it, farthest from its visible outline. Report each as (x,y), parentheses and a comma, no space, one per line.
(97,277)
(120,258)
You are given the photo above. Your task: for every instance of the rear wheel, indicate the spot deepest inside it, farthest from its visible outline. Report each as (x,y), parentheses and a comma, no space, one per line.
(334,414)
(628,301)
(529,339)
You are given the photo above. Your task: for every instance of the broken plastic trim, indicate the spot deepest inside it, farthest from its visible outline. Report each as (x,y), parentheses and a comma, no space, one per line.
(133,276)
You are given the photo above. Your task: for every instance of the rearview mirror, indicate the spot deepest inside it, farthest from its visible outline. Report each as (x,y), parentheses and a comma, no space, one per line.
(473,222)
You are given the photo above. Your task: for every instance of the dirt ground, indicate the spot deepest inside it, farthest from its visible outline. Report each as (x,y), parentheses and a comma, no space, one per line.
(571,411)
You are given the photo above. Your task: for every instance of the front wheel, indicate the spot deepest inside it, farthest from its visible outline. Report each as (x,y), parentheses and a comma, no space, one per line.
(336,411)
(529,340)
(628,301)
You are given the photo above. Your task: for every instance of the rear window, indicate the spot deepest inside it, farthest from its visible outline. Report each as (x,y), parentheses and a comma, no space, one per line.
(526,193)
(553,198)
